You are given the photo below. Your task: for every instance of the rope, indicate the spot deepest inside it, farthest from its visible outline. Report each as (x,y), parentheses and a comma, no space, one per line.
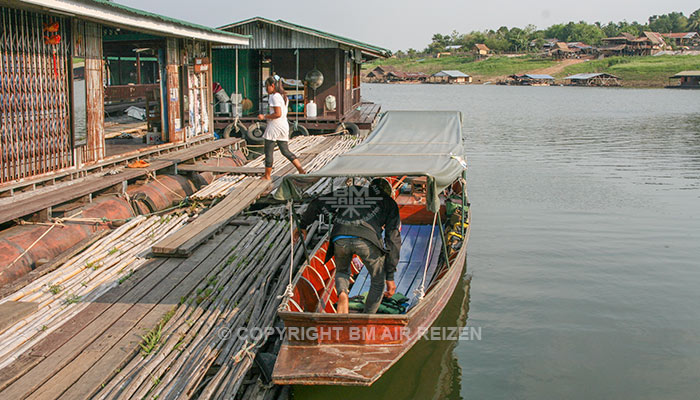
(152,175)
(58,221)
(245,352)
(289,291)
(420,292)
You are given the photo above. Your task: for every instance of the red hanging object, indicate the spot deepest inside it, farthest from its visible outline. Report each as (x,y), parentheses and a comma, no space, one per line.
(53,41)
(55,65)
(51,27)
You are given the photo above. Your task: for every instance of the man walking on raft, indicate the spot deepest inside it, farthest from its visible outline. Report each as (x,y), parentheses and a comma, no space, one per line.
(359,214)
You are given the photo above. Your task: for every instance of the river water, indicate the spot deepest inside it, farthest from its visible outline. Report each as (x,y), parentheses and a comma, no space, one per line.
(584,251)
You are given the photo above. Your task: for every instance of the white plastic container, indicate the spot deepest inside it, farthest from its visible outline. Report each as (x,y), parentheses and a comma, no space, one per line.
(311,109)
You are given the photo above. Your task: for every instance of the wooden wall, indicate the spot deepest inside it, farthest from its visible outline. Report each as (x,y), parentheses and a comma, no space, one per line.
(172,97)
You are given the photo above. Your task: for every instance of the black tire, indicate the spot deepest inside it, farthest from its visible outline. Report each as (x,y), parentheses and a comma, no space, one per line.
(235,130)
(299,131)
(348,128)
(254,133)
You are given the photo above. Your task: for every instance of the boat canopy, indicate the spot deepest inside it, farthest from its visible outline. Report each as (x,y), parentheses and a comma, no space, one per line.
(411,143)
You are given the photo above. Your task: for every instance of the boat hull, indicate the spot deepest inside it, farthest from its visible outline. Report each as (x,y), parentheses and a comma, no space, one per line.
(356,349)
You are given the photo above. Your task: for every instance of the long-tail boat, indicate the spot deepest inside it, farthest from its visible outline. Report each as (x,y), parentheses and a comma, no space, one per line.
(421,153)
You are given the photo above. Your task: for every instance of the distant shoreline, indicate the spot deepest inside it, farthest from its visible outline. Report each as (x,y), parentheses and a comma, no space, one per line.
(634,71)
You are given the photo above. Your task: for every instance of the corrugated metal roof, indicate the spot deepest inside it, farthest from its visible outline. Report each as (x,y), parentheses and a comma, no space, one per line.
(539,76)
(680,35)
(113,14)
(286,35)
(452,74)
(686,74)
(588,76)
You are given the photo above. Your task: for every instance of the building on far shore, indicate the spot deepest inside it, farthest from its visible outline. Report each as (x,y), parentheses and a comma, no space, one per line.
(561,51)
(627,44)
(688,80)
(481,49)
(450,76)
(593,79)
(378,73)
(687,39)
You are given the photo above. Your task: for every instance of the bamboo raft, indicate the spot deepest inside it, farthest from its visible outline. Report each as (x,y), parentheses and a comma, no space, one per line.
(84,278)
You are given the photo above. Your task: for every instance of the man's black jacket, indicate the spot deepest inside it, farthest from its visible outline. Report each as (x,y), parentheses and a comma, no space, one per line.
(361,211)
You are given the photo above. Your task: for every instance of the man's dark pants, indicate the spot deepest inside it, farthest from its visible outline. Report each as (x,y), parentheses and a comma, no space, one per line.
(373,259)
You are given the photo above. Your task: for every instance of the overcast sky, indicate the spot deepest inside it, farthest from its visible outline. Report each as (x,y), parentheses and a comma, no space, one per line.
(398,25)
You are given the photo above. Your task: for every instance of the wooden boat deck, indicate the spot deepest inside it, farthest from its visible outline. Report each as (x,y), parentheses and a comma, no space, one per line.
(409,272)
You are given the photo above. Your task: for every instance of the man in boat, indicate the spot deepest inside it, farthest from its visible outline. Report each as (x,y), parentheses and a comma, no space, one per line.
(360,215)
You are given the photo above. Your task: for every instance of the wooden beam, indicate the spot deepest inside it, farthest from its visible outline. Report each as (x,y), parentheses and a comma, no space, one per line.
(189,237)
(220,169)
(95,149)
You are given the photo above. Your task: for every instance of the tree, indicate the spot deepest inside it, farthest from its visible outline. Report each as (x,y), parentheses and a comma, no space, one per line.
(671,22)
(694,21)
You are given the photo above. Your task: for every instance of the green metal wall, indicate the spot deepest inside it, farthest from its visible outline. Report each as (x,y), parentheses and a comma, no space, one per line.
(224,72)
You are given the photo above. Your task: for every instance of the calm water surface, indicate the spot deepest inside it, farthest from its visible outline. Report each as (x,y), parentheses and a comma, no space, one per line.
(584,250)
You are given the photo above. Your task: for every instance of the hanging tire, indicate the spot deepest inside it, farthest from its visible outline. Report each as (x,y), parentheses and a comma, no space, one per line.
(348,128)
(254,133)
(235,129)
(300,130)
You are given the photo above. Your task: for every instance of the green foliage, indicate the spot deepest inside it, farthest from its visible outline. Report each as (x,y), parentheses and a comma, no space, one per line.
(127,276)
(671,22)
(151,340)
(638,71)
(73,298)
(55,288)
(492,66)
(694,21)
(530,38)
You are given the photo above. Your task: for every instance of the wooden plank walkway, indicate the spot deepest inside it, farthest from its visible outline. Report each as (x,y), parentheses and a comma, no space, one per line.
(77,359)
(365,116)
(221,169)
(186,240)
(189,237)
(69,174)
(64,194)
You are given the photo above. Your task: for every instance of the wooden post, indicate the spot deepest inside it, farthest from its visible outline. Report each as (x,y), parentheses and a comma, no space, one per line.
(210,89)
(172,97)
(95,149)
(338,85)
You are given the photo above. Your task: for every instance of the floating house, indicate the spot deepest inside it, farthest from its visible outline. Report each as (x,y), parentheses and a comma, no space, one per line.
(593,79)
(530,80)
(57,56)
(408,77)
(688,80)
(316,66)
(450,76)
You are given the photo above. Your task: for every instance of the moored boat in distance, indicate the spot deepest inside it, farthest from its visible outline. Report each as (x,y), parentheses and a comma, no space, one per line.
(421,154)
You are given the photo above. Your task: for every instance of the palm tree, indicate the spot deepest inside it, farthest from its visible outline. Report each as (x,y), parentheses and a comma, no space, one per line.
(694,21)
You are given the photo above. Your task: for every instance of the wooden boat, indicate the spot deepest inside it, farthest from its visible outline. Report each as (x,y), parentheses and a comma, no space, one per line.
(324,347)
